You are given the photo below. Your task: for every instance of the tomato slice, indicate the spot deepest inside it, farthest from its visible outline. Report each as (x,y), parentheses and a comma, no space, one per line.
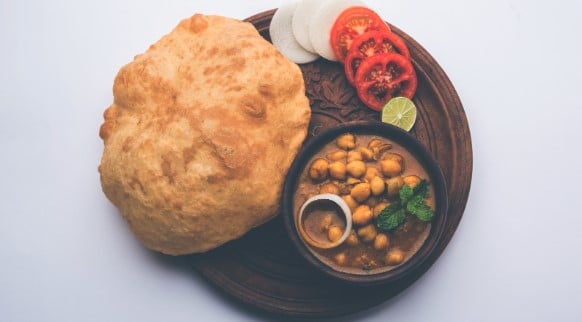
(383,76)
(351,23)
(370,44)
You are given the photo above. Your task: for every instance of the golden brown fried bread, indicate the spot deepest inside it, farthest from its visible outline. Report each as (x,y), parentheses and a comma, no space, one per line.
(202,130)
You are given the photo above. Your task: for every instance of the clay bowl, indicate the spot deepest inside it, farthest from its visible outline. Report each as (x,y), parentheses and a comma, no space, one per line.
(412,264)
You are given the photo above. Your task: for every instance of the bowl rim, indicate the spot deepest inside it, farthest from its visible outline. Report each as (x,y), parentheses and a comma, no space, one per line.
(418,150)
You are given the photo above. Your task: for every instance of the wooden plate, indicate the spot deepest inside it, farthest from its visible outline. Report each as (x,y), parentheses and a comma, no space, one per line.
(264,271)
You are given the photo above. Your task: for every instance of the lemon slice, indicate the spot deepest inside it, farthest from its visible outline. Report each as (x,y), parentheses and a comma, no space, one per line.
(399,111)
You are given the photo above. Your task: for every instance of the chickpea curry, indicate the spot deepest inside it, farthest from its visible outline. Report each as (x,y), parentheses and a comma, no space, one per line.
(381,182)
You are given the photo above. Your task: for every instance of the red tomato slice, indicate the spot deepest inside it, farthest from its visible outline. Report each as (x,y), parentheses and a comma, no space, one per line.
(383,76)
(370,44)
(351,23)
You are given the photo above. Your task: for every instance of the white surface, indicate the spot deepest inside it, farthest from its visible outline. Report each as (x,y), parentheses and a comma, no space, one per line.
(66,254)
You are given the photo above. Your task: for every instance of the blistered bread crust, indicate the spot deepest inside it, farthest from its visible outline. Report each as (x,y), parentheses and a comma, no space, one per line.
(202,130)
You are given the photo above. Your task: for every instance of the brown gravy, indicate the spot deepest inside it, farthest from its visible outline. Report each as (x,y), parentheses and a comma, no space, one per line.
(318,217)
(363,257)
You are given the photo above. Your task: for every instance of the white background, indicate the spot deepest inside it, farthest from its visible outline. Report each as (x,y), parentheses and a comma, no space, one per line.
(66,254)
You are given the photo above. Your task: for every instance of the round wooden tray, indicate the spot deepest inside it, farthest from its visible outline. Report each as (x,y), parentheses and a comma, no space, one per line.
(264,271)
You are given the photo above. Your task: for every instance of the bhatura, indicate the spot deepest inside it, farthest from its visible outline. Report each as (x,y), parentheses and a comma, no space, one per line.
(201,132)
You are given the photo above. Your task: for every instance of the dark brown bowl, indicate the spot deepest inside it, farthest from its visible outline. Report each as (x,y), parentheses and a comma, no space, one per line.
(413,264)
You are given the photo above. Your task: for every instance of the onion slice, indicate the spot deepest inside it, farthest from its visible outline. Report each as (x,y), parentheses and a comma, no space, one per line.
(322,22)
(302,16)
(282,35)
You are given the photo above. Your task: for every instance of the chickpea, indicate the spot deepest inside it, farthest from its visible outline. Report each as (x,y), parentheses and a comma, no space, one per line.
(346,142)
(377,186)
(337,170)
(356,168)
(371,172)
(352,239)
(361,192)
(362,215)
(374,143)
(351,202)
(378,148)
(367,154)
(352,181)
(354,156)
(411,181)
(390,168)
(378,208)
(337,155)
(334,233)
(318,169)
(393,186)
(396,157)
(326,222)
(329,187)
(341,258)
(381,241)
(394,257)
(367,233)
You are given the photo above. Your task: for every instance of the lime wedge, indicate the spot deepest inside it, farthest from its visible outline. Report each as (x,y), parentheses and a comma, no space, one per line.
(399,111)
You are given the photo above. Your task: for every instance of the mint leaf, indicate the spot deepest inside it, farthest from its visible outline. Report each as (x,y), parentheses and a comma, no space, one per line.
(418,207)
(424,212)
(406,193)
(421,189)
(391,217)
(415,202)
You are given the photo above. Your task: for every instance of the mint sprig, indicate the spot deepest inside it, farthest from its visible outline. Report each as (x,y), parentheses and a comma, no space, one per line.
(421,189)
(412,202)
(406,193)
(391,217)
